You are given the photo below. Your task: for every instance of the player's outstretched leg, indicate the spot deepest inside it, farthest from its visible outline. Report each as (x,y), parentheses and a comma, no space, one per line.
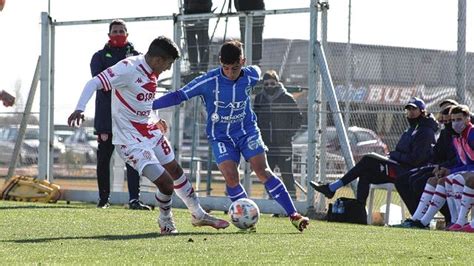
(185,191)
(277,190)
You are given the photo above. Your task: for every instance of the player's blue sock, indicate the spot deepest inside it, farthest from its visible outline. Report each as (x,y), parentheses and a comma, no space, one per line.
(278,191)
(236,192)
(336,185)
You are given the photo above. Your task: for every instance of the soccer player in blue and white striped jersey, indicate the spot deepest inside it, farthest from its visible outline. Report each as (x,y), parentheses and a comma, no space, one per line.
(232,125)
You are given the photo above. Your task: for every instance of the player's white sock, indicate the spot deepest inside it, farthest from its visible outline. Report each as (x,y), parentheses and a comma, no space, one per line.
(466,201)
(185,191)
(450,200)
(458,187)
(424,202)
(437,201)
(164,203)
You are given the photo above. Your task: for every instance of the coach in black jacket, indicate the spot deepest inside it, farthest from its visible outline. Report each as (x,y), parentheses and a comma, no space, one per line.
(279,119)
(116,49)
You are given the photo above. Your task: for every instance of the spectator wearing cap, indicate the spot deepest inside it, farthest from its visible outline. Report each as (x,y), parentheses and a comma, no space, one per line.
(411,185)
(414,149)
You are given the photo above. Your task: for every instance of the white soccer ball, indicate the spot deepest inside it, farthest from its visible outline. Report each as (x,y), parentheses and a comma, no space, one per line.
(244,213)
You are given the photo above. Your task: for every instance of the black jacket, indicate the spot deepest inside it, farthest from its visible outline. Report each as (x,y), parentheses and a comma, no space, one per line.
(444,152)
(100,61)
(197,6)
(245,5)
(415,147)
(278,117)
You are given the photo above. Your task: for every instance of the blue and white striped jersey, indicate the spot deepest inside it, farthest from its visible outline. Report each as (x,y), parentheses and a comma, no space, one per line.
(228,103)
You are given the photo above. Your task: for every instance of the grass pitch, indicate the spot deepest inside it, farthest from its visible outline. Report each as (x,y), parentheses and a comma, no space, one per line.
(77,233)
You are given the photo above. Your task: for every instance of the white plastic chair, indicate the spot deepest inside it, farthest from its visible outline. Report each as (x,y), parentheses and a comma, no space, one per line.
(388,187)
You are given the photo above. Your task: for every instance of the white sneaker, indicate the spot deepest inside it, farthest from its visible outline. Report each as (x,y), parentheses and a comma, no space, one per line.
(209,220)
(167,225)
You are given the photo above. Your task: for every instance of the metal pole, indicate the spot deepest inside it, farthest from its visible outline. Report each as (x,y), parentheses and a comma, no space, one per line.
(322,111)
(176,84)
(24,121)
(313,103)
(331,96)
(348,72)
(248,55)
(45,118)
(461,53)
(51,106)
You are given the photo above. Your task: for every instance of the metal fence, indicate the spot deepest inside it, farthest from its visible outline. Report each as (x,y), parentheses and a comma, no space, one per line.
(372,83)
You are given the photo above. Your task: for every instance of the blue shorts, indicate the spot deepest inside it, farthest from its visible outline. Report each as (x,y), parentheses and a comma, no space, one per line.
(248,145)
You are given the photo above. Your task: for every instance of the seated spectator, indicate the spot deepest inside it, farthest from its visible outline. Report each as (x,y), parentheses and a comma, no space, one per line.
(447,183)
(410,185)
(414,149)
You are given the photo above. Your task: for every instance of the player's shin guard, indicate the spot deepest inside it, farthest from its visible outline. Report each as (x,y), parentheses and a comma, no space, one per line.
(185,191)
(453,211)
(466,201)
(458,187)
(439,198)
(278,191)
(236,192)
(164,203)
(424,202)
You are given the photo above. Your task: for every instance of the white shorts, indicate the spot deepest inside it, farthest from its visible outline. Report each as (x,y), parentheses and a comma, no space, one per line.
(157,152)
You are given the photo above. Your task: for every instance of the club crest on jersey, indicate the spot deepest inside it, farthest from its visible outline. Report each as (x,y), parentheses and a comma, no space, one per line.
(215,117)
(253,144)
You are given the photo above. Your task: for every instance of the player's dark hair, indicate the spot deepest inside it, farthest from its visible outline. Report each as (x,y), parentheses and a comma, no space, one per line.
(231,52)
(117,22)
(460,109)
(163,47)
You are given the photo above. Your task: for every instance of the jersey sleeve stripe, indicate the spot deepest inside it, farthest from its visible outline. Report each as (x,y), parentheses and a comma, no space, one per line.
(187,90)
(105,82)
(120,97)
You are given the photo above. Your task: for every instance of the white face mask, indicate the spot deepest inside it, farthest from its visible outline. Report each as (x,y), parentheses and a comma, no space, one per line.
(459,126)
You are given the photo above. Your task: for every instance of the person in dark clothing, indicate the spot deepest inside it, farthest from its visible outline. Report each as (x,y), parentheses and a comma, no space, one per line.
(279,119)
(257,27)
(410,185)
(116,49)
(414,149)
(197,35)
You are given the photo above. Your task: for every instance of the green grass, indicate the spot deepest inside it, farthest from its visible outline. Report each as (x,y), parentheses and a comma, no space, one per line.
(77,233)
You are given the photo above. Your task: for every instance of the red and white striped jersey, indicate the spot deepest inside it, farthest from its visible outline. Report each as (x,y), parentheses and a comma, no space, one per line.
(133,86)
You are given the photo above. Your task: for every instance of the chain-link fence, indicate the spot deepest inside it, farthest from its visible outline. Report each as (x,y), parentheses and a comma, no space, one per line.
(373,82)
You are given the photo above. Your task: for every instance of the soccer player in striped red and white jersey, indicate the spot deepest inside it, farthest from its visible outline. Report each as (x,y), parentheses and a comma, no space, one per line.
(142,145)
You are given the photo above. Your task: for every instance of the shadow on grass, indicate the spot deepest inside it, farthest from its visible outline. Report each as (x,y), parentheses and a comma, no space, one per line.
(135,236)
(37,207)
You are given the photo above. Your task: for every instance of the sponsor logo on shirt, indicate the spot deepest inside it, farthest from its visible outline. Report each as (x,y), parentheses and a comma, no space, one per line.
(232,118)
(233,105)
